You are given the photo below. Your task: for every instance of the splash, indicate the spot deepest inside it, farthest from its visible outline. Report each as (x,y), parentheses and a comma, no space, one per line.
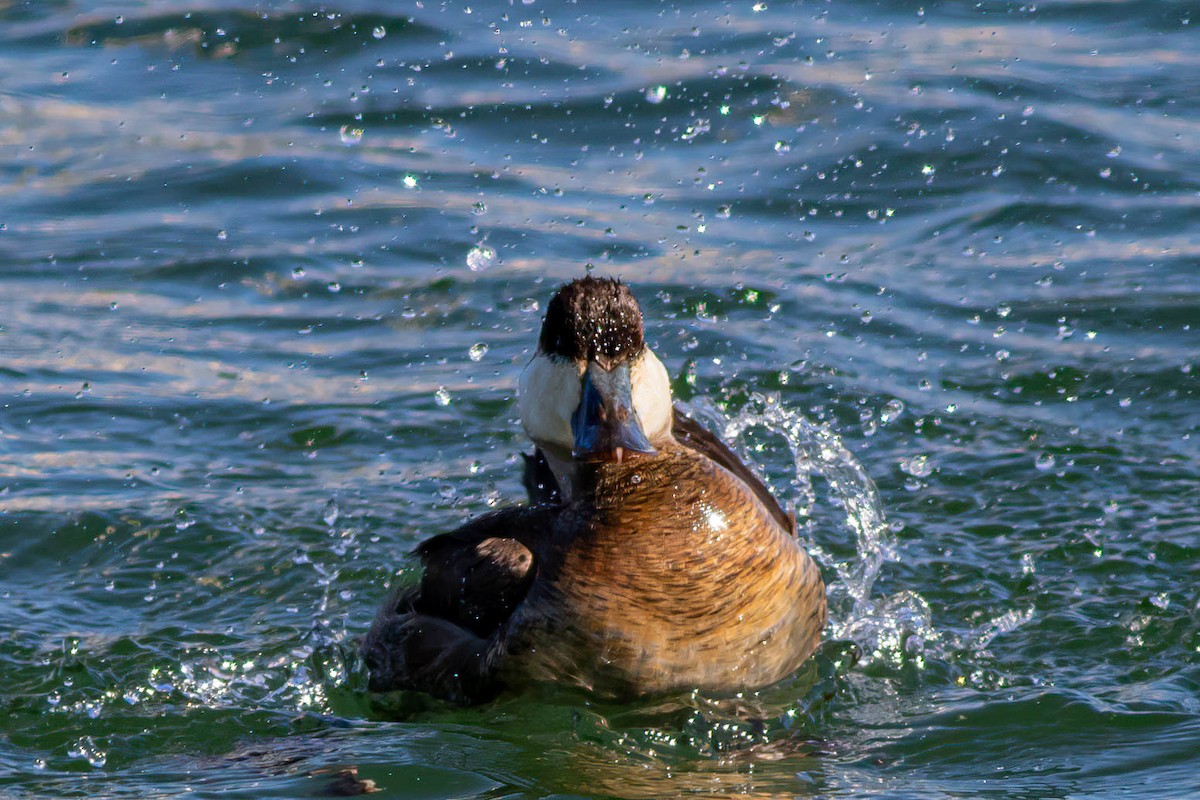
(889,629)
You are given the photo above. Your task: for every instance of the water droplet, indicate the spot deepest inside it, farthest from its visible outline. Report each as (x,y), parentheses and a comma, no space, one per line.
(331,513)
(1044,461)
(350,135)
(333,286)
(183,520)
(379,32)
(442,396)
(917,466)
(892,409)
(410,181)
(699,127)
(87,749)
(480,257)
(479,209)
(656,94)
(222,235)
(478,351)
(724,211)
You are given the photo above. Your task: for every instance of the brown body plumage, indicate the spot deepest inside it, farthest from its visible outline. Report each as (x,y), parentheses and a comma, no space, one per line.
(667,567)
(664,572)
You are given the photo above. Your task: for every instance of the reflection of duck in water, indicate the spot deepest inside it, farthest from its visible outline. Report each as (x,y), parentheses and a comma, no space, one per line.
(651,558)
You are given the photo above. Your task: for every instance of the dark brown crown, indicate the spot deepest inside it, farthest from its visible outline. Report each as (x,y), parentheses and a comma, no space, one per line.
(593,319)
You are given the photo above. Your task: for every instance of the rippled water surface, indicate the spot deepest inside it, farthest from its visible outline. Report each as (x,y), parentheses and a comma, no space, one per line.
(269,272)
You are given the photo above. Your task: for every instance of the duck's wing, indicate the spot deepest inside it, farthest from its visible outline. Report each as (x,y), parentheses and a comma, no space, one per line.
(407,650)
(437,636)
(475,576)
(691,434)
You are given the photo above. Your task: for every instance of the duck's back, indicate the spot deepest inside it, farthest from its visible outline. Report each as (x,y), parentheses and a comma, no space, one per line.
(668,574)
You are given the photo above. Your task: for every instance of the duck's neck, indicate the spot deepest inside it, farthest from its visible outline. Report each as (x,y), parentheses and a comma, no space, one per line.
(566,472)
(577,477)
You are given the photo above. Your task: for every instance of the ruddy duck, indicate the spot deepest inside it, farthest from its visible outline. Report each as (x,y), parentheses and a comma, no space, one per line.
(650,558)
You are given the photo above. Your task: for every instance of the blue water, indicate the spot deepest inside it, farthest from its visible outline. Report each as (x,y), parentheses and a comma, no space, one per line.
(269,272)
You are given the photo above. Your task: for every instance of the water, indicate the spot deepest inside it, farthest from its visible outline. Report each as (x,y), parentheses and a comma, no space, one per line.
(270,272)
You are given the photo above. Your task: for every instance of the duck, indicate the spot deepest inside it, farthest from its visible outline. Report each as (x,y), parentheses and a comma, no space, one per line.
(650,559)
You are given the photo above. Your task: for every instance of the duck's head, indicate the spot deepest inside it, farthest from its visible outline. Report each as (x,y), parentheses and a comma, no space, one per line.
(594,391)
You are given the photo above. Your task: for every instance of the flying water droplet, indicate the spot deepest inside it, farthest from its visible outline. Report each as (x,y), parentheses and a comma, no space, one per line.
(379,32)
(350,135)
(477,351)
(87,749)
(892,409)
(917,466)
(331,513)
(442,396)
(1044,461)
(656,94)
(183,520)
(481,257)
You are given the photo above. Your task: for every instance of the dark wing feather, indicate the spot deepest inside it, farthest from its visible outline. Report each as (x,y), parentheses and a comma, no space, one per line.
(690,433)
(434,637)
(407,650)
(475,576)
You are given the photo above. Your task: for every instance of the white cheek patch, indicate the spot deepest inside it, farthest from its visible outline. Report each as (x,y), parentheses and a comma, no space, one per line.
(548,395)
(652,396)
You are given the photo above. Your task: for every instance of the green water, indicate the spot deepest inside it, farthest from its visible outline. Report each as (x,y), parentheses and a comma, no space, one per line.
(269,273)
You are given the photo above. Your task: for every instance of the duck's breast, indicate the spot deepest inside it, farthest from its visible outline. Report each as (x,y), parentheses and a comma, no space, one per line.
(678,578)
